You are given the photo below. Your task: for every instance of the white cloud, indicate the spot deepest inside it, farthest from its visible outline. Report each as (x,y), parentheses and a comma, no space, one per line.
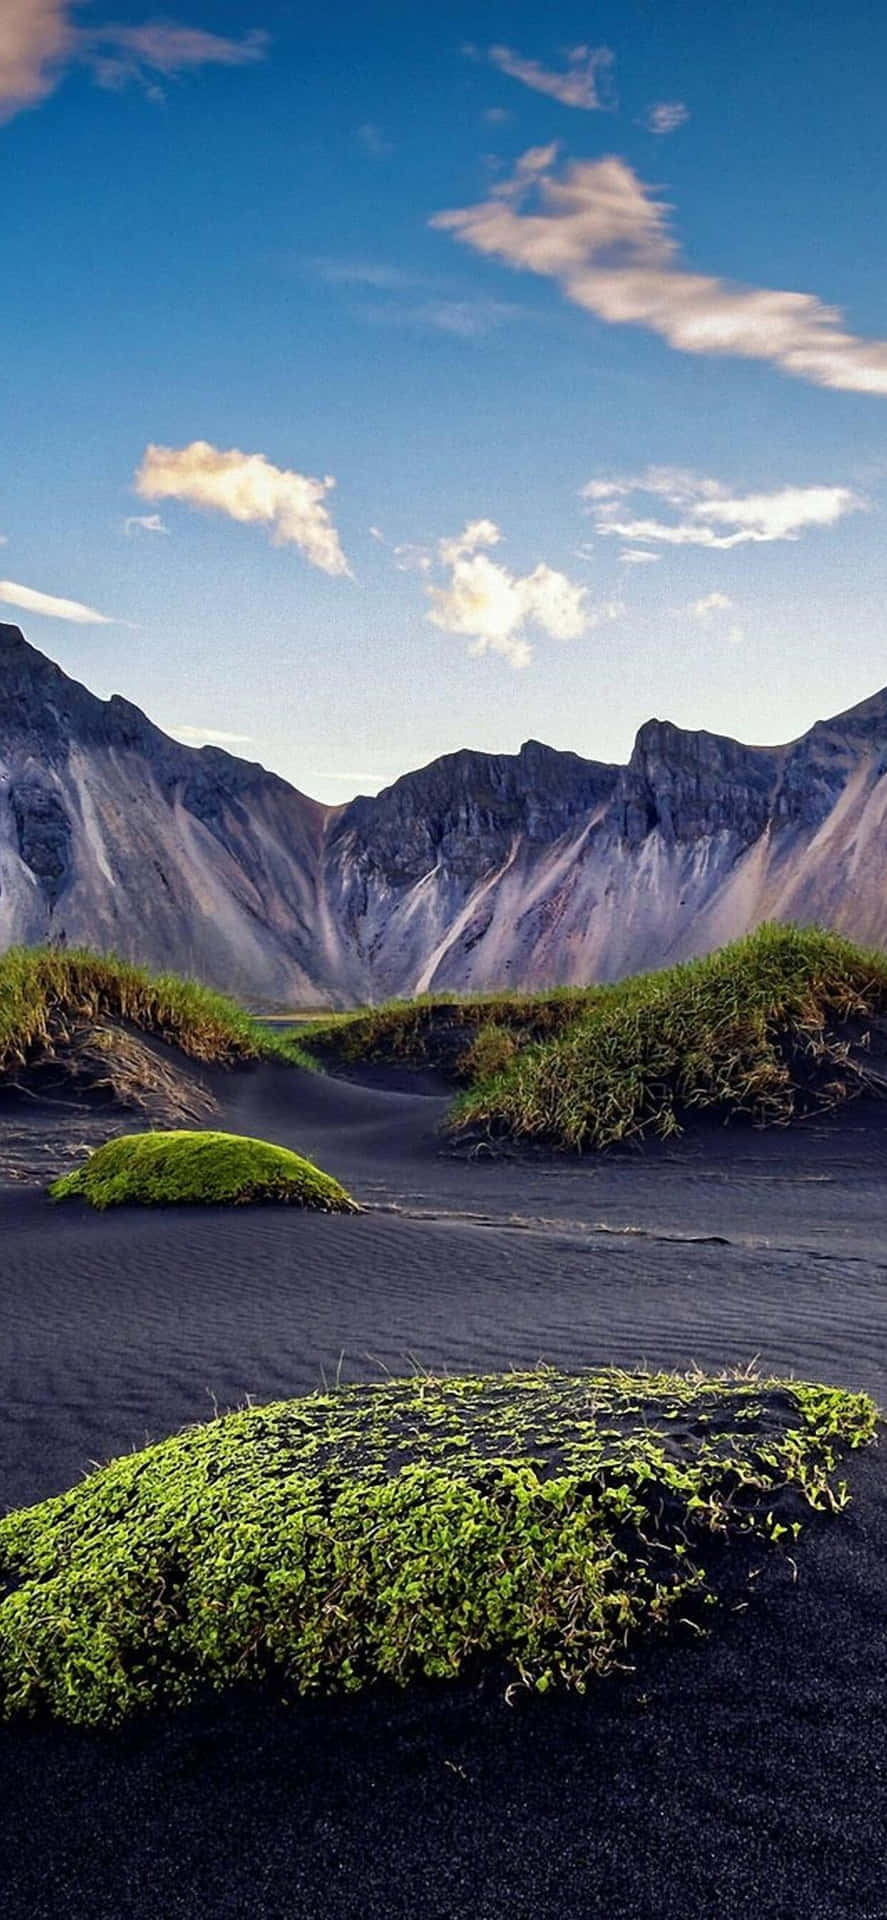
(708,515)
(41,39)
(710,603)
(144,523)
(497,116)
(666,116)
(597,231)
(475,533)
(637,557)
(248,488)
(54,608)
(36,38)
(580,84)
(209,737)
(492,606)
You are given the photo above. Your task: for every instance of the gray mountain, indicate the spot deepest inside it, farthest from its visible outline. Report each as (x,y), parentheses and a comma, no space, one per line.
(477,871)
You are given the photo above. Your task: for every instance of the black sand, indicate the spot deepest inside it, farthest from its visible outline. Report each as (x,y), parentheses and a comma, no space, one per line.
(746,1775)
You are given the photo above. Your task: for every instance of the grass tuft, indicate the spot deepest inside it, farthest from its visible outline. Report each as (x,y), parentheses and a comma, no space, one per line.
(405,1528)
(202,1169)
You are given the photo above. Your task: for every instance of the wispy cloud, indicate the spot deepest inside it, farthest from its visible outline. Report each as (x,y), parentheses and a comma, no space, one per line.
(409,558)
(707,612)
(637,557)
(416,300)
(585,82)
(247,488)
(706,514)
(144,523)
(493,607)
(209,737)
(41,39)
(709,604)
(365,273)
(598,232)
(373,141)
(51,605)
(463,319)
(666,116)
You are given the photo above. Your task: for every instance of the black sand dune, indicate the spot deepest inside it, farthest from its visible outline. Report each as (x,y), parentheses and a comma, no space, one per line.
(744,1776)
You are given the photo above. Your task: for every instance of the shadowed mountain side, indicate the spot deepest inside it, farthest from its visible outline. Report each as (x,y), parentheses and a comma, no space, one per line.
(478,871)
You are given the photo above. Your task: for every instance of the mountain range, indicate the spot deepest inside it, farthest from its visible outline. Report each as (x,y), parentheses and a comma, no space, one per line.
(478,871)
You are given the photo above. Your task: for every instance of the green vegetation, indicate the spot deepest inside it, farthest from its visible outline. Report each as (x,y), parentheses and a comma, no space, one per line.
(445,1030)
(769,1027)
(206,1169)
(538,1520)
(46,995)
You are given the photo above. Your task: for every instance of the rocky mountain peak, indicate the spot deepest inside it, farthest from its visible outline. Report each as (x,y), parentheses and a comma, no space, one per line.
(684,783)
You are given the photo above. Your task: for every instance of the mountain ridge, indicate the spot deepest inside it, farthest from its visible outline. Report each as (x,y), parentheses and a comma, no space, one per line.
(477,870)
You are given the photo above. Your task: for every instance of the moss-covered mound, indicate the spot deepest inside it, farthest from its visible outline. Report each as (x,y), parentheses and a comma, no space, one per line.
(774,1025)
(408,1528)
(50,1001)
(210,1169)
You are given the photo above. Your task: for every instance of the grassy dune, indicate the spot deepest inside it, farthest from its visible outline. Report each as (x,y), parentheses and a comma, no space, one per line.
(456,1033)
(767,1027)
(417,1527)
(191,1168)
(46,994)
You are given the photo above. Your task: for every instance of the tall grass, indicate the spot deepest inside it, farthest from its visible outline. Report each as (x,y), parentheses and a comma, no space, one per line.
(45,992)
(758,1028)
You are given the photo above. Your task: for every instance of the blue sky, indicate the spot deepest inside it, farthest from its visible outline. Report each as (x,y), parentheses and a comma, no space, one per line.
(590,463)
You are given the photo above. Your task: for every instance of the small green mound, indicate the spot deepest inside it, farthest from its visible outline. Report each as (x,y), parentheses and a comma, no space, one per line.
(775,1025)
(208,1169)
(407,1528)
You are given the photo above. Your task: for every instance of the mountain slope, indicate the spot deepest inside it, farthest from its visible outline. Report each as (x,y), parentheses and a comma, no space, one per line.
(479,870)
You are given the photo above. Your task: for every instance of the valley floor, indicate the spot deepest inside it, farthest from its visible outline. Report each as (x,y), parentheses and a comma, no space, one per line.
(740,1776)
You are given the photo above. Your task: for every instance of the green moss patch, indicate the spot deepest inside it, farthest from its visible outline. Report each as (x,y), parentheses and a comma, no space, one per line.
(183,1168)
(775,1025)
(407,1528)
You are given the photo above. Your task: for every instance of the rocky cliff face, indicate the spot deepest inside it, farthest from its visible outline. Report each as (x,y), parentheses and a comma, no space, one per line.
(477,871)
